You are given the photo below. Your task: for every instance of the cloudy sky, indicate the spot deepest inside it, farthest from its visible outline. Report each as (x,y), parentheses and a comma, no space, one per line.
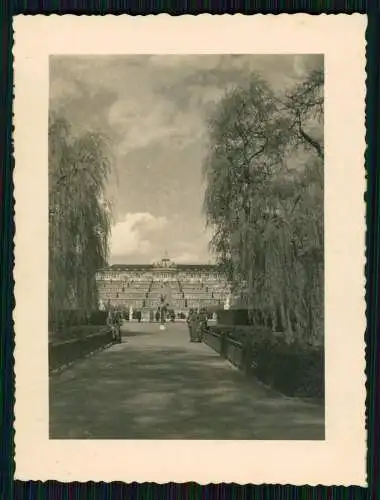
(154,110)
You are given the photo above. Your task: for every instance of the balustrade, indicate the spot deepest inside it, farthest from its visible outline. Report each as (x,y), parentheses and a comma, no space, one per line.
(183,289)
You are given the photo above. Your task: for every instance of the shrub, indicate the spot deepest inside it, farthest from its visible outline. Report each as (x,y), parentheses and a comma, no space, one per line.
(73,317)
(233,317)
(78,332)
(98,318)
(61,353)
(69,317)
(294,369)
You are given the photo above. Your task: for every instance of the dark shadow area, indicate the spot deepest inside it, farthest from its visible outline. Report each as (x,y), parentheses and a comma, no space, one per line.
(132,333)
(162,387)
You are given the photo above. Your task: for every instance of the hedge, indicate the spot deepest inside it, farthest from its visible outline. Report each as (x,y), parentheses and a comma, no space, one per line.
(78,332)
(257,317)
(63,352)
(76,317)
(294,369)
(233,317)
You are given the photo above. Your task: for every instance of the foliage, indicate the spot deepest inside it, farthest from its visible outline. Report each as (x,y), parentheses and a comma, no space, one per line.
(78,317)
(305,106)
(266,217)
(77,331)
(295,369)
(83,340)
(233,317)
(79,218)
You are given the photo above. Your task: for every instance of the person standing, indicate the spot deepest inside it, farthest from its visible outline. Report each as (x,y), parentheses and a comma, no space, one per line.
(111,323)
(188,321)
(192,325)
(109,320)
(118,322)
(198,327)
(202,324)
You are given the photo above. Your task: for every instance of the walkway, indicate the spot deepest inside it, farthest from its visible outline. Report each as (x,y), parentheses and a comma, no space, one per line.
(157,385)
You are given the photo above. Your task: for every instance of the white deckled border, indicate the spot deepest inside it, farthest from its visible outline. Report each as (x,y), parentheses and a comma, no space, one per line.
(340,460)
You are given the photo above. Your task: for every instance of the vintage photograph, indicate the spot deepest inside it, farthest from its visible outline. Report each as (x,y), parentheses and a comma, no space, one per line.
(189,270)
(186,247)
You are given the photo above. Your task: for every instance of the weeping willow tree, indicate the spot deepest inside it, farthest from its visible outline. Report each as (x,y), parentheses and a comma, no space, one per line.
(267,220)
(79,217)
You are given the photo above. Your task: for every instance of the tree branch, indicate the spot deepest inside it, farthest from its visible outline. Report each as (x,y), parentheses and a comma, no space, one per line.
(307,138)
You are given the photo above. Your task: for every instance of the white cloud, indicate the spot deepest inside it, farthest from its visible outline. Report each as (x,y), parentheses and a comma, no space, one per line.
(131,235)
(186,258)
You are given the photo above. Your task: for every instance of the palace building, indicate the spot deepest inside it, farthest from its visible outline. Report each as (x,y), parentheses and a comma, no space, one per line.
(146,287)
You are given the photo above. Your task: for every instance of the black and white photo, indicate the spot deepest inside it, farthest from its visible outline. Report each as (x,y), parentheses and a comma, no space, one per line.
(186,247)
(190,249)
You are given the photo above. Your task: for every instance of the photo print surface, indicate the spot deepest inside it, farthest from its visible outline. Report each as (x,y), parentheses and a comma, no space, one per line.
(191,253)
(189,249)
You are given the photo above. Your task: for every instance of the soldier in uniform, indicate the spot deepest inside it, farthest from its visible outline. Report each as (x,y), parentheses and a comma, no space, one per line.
(198,327)
(202,324)
(118,323)
(111,323)
(192,324)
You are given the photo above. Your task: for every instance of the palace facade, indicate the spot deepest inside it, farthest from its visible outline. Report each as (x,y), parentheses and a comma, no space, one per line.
(146,287)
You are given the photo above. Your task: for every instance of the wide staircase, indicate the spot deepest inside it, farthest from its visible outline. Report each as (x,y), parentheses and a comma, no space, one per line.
(203,293)
(148,295)
(124,294)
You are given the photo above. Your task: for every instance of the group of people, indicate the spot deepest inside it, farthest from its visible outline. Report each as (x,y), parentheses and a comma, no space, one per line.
(114,321)
(197,323)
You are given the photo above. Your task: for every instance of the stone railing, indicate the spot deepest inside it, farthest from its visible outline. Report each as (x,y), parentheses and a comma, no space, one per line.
(238,352)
